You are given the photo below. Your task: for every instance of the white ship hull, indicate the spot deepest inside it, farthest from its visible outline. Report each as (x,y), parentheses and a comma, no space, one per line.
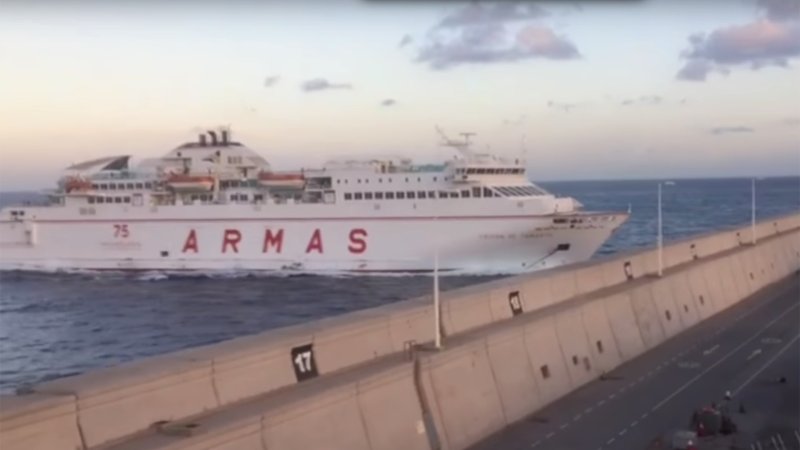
(306,238)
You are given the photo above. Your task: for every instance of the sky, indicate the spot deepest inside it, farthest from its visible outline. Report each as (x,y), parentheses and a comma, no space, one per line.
(581,90)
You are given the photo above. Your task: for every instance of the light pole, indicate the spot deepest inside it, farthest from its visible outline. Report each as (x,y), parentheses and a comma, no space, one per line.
(660,236)
(753,211)
(437,327)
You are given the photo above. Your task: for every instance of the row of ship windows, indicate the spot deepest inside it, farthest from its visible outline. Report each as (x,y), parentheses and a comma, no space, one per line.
(402,195)
(125,199)
(489,171)
(121,186)
(388,180)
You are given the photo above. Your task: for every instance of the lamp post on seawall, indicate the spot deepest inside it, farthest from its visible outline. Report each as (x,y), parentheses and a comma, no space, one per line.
(753,211)
(437,323)
(660,236)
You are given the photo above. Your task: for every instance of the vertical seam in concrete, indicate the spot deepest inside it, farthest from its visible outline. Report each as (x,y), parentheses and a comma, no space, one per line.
(214,382)
(361,415)
(494,382)
(263,424)
(614,335)
(78,422)
(438,408)
(530,365)
(589,346)
(564,358)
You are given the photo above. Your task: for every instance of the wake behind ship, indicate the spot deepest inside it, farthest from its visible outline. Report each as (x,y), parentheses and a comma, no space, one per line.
(214,204)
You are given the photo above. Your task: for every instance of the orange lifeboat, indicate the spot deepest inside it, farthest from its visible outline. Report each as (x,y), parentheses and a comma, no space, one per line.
(286,180)
(180,182)
(73,184)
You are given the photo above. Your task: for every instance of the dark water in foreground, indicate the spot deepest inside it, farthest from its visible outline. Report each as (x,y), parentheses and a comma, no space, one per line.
(52,325)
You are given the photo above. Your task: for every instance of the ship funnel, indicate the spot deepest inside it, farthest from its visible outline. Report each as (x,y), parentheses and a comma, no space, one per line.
(213,135)
(224,136)
(203,140)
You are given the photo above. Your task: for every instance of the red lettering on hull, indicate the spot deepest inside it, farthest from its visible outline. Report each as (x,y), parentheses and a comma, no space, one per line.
(358,243)
(231,238)
(315,244)
(275,240)
(191,242)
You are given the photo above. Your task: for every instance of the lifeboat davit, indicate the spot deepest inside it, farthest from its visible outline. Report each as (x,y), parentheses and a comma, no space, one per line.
(190,182)
(287,180)
(77,184)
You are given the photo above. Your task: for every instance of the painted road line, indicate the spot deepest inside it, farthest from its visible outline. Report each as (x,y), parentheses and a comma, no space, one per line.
(767,364)
(710,350)
(721,360)
(755,353)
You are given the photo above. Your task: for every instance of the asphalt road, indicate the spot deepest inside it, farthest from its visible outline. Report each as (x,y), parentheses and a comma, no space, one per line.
(741,350)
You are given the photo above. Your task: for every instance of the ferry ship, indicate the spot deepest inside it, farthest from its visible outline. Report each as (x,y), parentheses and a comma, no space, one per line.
(215,204)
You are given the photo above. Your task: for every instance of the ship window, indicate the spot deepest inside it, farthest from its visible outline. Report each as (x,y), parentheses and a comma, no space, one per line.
(442,194)
(368,196)
(348,196)
(410,194)
(487,192)
(91,200)
(481,171)
(95,186)
(117,199)
(419,179)
(420,194)
(465,193)
(103,186)
(380,180)
(359,181)
(454,194)
(390,196)
(476,192)
(358,196)
(139,186)
(256,197)
(434,178)
(431,194)
(400,195)
(148,185)
(126,199)
(234,197)
(379,196)
(366,180)
(406,179)
(129,186)
(390,180)
(243,197)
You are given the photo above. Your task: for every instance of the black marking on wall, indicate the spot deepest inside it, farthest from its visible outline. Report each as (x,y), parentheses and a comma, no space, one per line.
(303,362)
(515,303)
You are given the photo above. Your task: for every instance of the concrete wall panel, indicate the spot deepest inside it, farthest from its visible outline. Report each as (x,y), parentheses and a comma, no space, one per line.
(535,293)
(666,307)
(574,347)
(39,422)
(563,285)
(627,336)
(684,300)
(330,420)
(351,340)
(411,325)
(514,376)
(603,346)
(468,403)
(160,388)
(589,279)
(466,312)
(499,303)
(702,296)
(647,316)
(544,353)
(614,271)
(391,410)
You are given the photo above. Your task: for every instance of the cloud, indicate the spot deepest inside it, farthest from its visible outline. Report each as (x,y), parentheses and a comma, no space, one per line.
(717,131)
(388,102)
(494,44)
(779,10)
(497,33)
(477,14)
(791,121)
(772,40)
(515,122)
(407,39)
(561,106)
(645,100)
(321,84)
(271,80)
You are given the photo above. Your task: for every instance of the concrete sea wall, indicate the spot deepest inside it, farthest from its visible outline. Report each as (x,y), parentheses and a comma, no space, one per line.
(352,381)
